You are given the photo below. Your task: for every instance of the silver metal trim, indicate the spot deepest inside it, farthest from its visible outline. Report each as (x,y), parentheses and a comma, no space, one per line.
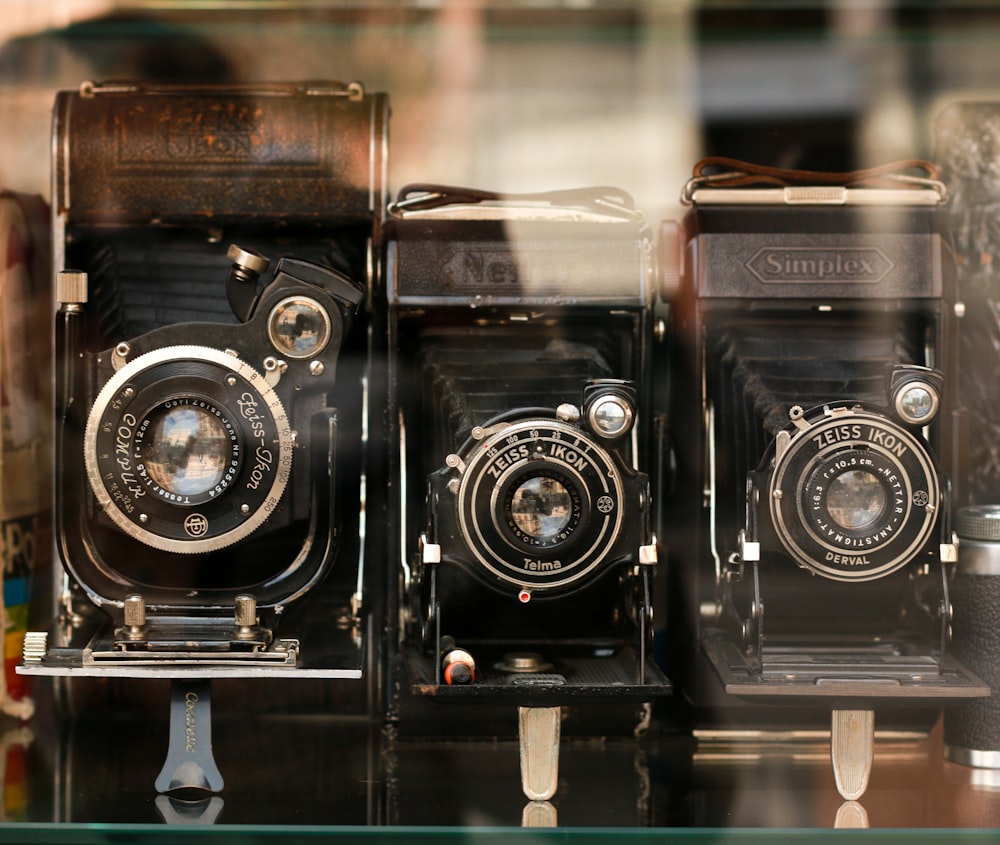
(713,537)
(820,195)
(402,498)
(978,558)
(504,212)
(976,758)
(357,600)
(187,353)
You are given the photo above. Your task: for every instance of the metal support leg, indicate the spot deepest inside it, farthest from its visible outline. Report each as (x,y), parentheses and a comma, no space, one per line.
(538,732)
(852,748)
(190,763)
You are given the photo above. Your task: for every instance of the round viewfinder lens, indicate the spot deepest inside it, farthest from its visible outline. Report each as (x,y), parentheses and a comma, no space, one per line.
(299,327)
(611,417)
(917,403)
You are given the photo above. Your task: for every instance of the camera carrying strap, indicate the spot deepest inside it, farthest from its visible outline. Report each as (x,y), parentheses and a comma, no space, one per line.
(723,172)
(597,199)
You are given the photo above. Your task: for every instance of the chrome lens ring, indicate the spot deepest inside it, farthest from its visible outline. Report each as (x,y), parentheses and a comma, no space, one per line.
(299,327)
(548,544)
(855,496)
(235,464)
(916,402)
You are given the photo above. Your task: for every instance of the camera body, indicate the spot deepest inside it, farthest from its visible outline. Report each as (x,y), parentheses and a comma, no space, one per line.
(209,406)
(813,361)
(970,728)
(519,334)
(966,149)
(207,449)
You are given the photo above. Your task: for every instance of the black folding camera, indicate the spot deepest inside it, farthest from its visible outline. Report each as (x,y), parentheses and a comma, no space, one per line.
(207,450)
(813,361)
(519,329)
(210,409)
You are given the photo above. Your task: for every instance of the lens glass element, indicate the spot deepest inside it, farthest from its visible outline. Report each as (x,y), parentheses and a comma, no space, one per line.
(187,450)
(299,327)
(611,417)
(541,507)
(916,403)
(855,500)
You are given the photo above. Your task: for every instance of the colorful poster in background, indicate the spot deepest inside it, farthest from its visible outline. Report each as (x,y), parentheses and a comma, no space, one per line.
(25,429)
(14,743)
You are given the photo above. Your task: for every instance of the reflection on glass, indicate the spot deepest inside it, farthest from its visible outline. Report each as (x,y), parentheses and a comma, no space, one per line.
(541,507)
(299,328)
(187,451)
(855,500)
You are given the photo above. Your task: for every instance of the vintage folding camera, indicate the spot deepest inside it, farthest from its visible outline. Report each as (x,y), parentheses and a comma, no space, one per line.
(519,330)
(217,249)
(811,409)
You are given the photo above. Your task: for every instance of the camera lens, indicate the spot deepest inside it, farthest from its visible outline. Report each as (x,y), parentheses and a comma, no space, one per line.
(541,507)
(187,450)
(855,499)
(539,503)
(853,495)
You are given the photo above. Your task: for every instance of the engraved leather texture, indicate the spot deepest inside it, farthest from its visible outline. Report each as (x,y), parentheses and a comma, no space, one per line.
(976,643)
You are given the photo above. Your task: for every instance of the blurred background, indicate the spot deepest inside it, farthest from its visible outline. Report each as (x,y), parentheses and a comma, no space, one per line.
(538,94)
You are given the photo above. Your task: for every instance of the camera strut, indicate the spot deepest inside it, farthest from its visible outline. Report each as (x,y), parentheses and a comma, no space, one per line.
(190,763)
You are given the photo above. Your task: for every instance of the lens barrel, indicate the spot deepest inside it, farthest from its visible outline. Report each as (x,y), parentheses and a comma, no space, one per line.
(972,730)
